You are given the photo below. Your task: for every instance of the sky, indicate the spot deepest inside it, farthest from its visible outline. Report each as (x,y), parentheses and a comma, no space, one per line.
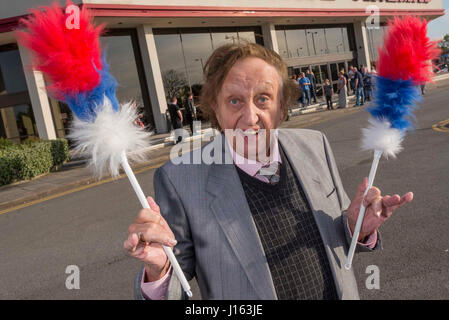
(440,26)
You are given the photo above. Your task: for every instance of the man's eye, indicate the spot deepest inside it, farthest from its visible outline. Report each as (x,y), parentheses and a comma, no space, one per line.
(234,101)
(263,99)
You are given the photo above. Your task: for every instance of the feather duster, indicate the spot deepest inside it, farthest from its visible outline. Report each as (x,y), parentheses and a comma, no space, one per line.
(79,76)
(404,63)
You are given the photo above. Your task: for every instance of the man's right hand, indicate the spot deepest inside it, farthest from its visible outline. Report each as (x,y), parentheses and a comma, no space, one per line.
(154,232)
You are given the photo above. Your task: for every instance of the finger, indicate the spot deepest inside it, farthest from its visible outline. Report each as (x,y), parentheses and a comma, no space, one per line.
(390,201)
(156,209)
(376,206)
(153,205)
(131,242)
(148,215)
(138,251)
(372,194)
(152,232)
(361,190)
(406,198)
(400,201)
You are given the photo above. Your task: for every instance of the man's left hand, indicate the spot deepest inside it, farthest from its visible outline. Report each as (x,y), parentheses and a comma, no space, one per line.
(378,208)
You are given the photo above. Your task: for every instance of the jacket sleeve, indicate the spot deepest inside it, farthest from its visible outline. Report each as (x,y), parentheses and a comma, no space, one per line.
(173,211)
(344,199)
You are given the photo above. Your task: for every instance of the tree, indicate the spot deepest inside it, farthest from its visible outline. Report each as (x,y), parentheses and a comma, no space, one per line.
(444,44)
(174,83)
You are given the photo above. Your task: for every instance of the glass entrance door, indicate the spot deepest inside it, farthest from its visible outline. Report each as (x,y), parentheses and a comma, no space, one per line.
(334,75)
(322,72)
(318,80)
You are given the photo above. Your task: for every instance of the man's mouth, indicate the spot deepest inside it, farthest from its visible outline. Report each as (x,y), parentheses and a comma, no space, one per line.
(251,132)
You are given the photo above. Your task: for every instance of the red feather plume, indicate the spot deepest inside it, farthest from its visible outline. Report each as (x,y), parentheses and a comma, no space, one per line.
(69,57)
(407,52)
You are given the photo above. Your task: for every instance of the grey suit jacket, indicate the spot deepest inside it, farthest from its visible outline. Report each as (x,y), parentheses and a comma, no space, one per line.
(218,243)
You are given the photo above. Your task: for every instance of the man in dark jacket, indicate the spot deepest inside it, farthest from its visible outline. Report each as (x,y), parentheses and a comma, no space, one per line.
(367,84)
(176,118)
(190,111)
(359,92)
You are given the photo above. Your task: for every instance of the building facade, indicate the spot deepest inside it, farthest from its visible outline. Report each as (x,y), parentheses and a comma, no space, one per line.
(156,50)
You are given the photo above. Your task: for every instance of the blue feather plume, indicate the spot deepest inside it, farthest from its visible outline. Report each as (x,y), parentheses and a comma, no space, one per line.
(84,104)
(395,101)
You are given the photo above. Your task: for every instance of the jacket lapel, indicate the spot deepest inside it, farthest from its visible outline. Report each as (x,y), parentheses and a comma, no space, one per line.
(232,212)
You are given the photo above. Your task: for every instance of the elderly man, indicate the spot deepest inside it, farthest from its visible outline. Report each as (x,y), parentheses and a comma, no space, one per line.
(276,227)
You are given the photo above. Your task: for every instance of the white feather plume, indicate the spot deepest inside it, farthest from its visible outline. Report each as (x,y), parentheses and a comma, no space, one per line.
(104,139)
(381,136)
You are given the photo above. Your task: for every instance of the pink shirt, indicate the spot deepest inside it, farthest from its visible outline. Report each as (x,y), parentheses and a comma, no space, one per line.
(157,290)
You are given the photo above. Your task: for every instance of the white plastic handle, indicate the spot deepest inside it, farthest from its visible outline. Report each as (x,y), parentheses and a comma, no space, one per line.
(358,225)
(143,201)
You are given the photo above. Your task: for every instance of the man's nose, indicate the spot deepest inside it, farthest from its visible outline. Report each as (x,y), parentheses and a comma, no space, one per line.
(251,114)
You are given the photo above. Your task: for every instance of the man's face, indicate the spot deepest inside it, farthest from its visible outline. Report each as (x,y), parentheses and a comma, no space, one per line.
(249,101)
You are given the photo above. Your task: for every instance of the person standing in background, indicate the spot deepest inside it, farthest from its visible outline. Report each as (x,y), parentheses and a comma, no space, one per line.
(304,82)
(367,84)
(362,70)
(423,89)
(312,79)
(190,111)
(346,77)
(351,75)
(342,90)
(360,94)
(328,91)
(176,118)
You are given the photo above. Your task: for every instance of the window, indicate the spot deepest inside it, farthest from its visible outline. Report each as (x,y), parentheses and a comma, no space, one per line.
(221,38)
(336,42)
(375,39)
(124,60)
(302,41)
(248,36)
(183,53)
(197,48)
(297,43)
(282,43)
(316,41)
(17,121)
(125,64)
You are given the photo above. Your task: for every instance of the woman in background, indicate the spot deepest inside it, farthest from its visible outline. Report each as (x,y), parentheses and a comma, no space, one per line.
(342,90)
